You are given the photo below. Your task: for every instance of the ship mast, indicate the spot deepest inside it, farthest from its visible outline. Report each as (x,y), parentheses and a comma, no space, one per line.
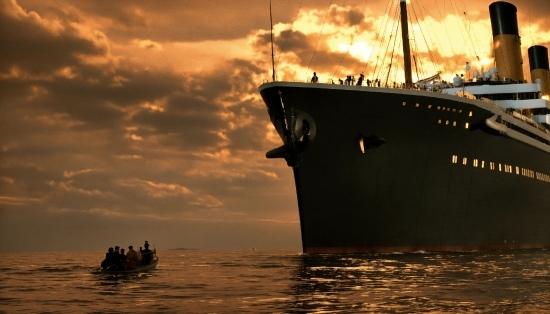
(272,54)
(406,44)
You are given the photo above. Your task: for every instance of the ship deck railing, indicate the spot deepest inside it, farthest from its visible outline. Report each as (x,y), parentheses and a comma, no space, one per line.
(437,89)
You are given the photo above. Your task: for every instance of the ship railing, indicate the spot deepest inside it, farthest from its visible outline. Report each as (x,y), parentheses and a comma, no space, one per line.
(529,121)
(489,101)
(517,115)
(435,89)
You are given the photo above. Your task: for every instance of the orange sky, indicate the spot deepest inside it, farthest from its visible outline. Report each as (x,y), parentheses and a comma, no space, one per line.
(124,121)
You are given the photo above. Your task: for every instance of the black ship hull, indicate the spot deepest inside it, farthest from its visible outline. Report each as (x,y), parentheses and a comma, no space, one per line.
(430,176)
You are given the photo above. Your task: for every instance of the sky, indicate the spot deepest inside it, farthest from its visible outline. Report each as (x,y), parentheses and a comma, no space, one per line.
(124,121)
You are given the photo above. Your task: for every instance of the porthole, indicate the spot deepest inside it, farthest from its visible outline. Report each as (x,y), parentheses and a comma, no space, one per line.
(429,106)
(417,105)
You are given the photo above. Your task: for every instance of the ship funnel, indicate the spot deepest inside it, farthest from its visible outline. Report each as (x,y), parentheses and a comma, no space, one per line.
(540,71)
(506,40)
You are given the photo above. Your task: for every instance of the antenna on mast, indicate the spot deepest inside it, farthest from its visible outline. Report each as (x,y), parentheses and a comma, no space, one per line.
(272,54)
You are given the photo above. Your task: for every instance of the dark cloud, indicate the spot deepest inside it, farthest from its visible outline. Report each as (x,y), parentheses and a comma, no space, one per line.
(347,16)
(290,40)
(186,21)
(39,47)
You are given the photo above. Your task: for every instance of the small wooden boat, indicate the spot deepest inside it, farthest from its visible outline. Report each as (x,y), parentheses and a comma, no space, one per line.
(138,269)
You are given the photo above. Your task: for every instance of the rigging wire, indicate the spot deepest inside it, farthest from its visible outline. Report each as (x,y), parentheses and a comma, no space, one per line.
(468,43)
(457,57)
(377,72)
(343,5)
(469,29)
(352,38)
(286,37)
(318,39)
(385,22)
(396,68)
(394,35)
(432,28)
(433,58)
(419,67)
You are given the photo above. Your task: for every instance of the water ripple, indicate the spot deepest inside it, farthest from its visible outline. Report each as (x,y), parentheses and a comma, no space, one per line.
(284,282)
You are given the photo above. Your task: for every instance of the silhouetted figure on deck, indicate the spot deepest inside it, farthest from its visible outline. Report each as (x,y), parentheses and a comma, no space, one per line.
(368,82)
(110,259)
(146,254)
(314,79)
(341,82)
(360,80)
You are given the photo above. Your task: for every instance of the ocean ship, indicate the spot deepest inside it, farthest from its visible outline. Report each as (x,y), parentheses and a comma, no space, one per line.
(426,167)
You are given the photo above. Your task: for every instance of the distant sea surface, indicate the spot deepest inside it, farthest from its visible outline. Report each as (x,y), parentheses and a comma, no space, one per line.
(281,281)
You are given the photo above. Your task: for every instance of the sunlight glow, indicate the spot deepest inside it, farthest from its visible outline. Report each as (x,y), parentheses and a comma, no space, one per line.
(157,105)
(486,61)
(360,50)
(136,137)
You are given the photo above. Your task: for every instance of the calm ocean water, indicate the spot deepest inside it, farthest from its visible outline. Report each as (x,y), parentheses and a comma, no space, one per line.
(281,282)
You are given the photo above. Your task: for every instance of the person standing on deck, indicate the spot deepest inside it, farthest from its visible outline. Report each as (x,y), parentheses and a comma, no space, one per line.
(314,79)
(360,80)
